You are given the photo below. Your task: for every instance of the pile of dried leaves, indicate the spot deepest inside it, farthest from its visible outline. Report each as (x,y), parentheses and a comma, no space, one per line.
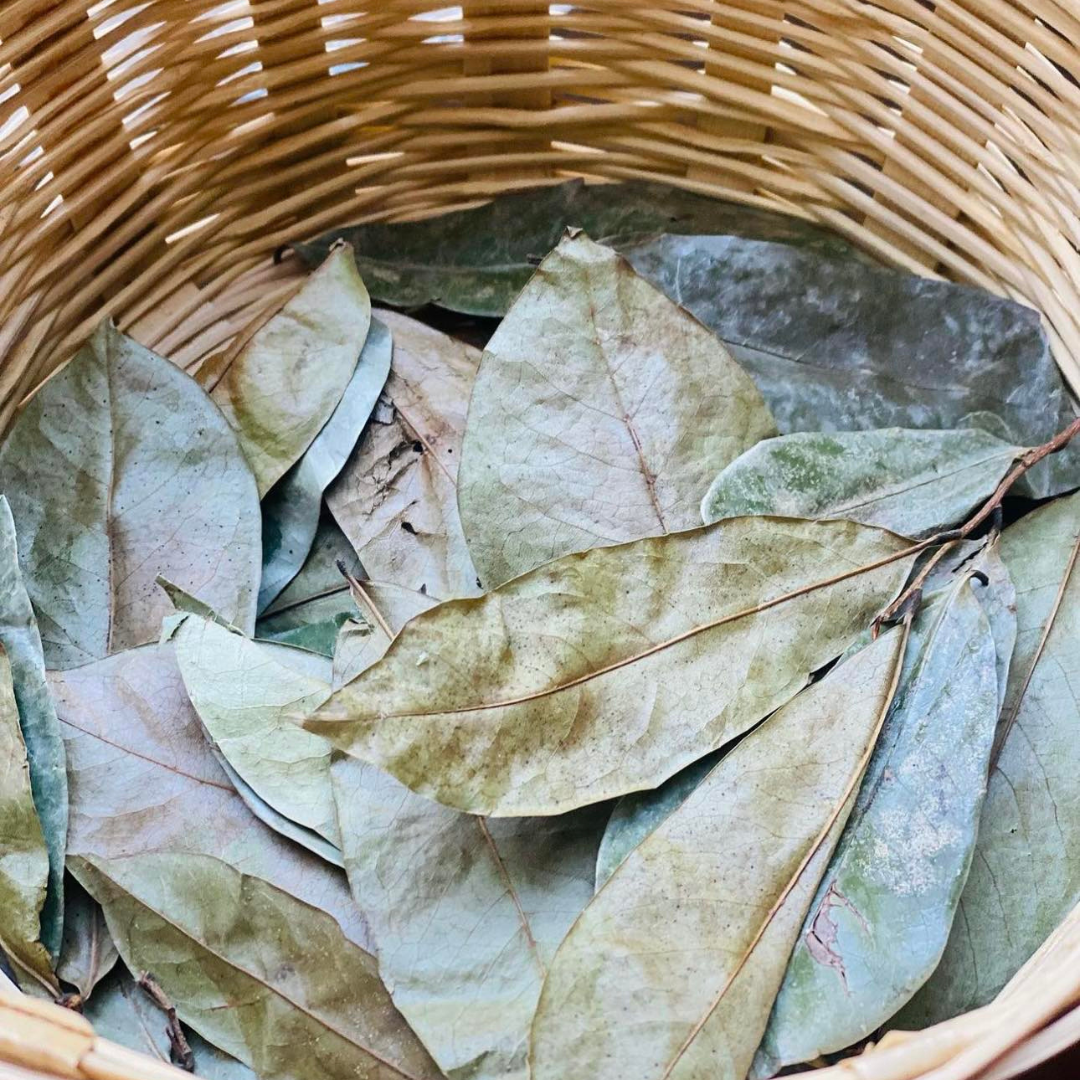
(616,793)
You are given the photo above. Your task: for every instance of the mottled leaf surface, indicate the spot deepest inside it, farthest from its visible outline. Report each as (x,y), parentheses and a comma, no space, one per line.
(601,413)
(477,260)
(88,953)
(1025,876)
(465,912)
(396,499)
(24,858)
(635,816)
(671,970)
(120,469)
(912,482)
(40,729)
(882,913)
(290,511)
(837,345)
(286,382)
(122,1012)
(269,979)
(244,691)
(607,672)
(313,607)
(144,779)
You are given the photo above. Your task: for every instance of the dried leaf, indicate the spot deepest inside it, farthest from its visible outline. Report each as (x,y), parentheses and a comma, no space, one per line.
(314,606)
(601,412)
(636,816)
(286,382)
(912,482)
(24,858)
(878,925)
(124,1013)
(269,979)
(382,611)
(1025,876)
(598,674)
(242,691)
(396,499)
(118,470)
(477,260)
(837,345)
(465,912)
(144,779)
(88,953)
(671,970)
(290,511)
(40,729)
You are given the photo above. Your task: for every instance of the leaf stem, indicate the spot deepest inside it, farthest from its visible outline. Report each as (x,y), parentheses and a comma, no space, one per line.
(911,595)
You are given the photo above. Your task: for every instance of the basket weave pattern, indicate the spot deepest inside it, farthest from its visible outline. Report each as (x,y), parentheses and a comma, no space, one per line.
(153,155)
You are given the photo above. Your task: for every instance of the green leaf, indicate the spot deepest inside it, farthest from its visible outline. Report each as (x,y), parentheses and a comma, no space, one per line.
(1025,876)
(286,382)
(242,691)
(118,470)
(671,970)
(600,414)
(24,858)
(838,345)
(88,953)
(878,925)
(314,606)
(396,499)
(122,1012)
(476,261)
(607,672)
(21,641)
(465,912)
(267,978)
(144,779)
(290,511)
(911,482)
(638,814)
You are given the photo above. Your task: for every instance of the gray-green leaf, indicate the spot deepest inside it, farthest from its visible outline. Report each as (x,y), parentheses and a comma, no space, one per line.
(120,469)
(601,412)
(88,953)
(837,345)
(243,692)
(635,816)
(476,261)
(670,972)
(606,672)
(286,382)
(290,511)
(882,914)
(912,482)
(24,858)
(465,912)
(269,979)
(1025,876)
(40,728)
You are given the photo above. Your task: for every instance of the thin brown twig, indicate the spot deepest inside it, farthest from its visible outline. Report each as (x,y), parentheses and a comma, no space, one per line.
(912,594)
(180,1051)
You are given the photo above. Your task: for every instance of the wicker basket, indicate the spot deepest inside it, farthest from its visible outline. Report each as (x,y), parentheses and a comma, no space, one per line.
(154,154)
